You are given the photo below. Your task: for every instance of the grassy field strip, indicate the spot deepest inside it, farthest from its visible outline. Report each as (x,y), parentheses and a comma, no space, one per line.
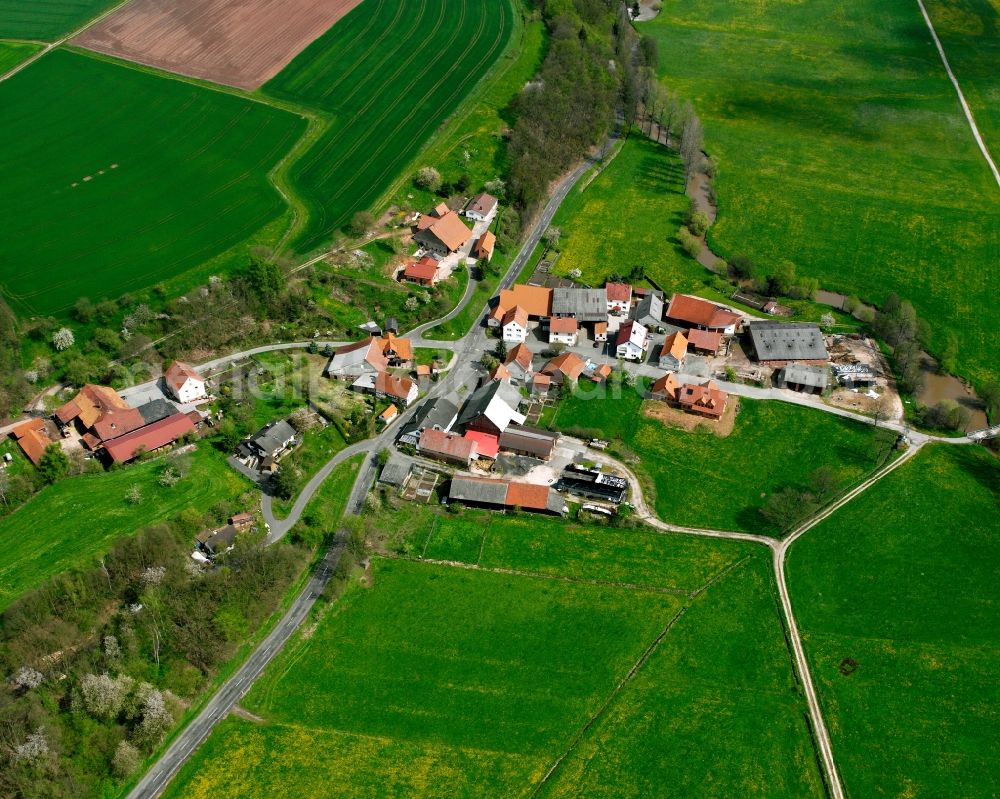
(611,698)
(961,97)
(896,597)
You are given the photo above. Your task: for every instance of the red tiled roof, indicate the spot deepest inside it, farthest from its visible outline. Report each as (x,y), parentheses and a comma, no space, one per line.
(563,325)
(32,439)
(536,300)
(452,445)
(569,363)
(619,292)
(527,495)
(150,437)
(484,245)
(424,269)
(601,373)
(90,404)
(631,331)
(389,413)
(704,339)
(521,354)
(706,398)
(516,314)
(393,386)
(403,347)
(696,311)
(486,445)
(666,385)
(482,204)
(450,230)
(500,372)
(179,372)
(676,345)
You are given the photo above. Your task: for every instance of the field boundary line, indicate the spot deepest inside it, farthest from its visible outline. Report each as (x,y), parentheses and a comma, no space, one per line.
(720,576)
(647,653)
(961,97)
(561,578)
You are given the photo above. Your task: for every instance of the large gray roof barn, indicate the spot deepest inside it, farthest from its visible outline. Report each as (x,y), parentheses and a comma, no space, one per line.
(584,305)
(803,377)
(787,341)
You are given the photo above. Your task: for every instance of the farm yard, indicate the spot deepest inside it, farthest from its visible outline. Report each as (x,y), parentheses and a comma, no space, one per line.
(122,179)
(389,73)
(840,145)
(699,479)
(237,44)
(13,53)
(896,596)
(481,680)
(47,20)
(73,522)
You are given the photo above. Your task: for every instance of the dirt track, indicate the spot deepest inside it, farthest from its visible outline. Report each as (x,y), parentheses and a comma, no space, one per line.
(240,43)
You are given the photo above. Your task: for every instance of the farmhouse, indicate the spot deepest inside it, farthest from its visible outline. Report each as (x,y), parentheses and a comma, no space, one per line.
(540,384)
(528,441)
(619,297)
(518,363)
(90,406)
(483,248)
(536,300)
(695,312)
(804,378)
(444,235)
(704,399)
(401,389)
(447,447)
(564,331)
(492,408)
(32,437)
(600,331)
(632,341)
(435,414)
(673,352)
(398,351)
(482,208)
(423,272)
(184,383)
(484,493)
(584,305)
(649,310)
(566,367)
(149,438)
(515,325)
(778,343)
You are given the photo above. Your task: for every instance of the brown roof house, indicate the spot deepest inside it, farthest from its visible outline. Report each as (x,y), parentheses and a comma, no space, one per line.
(400,389)
(423,272)
(354,360)
(704,399)
(673,352)
(536,300)
(483,248)
(696,312)
(568,366)
(482,207)
(619,297)
(448,447)
(32,437)
(445,235)
(518,363)
(151,437)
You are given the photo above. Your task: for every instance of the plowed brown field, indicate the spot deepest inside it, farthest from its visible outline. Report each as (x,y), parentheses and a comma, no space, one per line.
(239,43)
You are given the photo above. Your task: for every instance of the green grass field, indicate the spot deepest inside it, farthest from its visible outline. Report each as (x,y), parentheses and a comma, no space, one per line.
(389,73)
(905,581)
(628,217)
(456,682)
(968,30)
(698,479)
(47,20)
(840,145)
(13,53)
(73,521)
(122,179)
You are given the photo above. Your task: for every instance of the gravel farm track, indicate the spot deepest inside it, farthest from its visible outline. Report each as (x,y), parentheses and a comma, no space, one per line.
(232,42)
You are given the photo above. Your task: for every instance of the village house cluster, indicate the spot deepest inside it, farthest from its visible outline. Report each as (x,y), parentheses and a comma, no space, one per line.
(101,421)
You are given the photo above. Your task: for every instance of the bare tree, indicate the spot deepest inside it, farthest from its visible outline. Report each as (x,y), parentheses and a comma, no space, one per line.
(692,142)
